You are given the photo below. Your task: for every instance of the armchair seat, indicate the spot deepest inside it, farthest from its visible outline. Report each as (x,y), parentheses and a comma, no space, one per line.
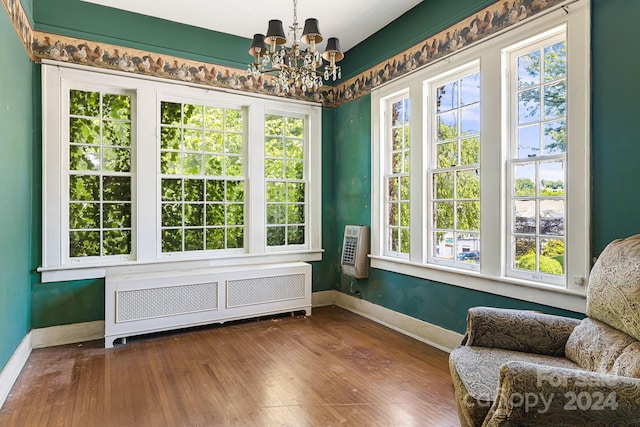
(524,368)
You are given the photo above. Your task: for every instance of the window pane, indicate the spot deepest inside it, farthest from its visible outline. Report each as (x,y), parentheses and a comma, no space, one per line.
(193,239)
(529,106)
(116,159)
(555,100)
(117,242)
(470,89)
(555,61)
(443,247)
(470,120)
(84,131)
(447,97)
(524,216)
(525,253)
(84,243)
(84,187)
(552,217)
(443,215)
(552,179)
(469,151)
(529,141)
(443,183)
(172,240)
(171,189)
(447,126)
(171,214)
(467,248)
(555,137)
(116,215)
(525,180)
(116,133)
(468,184)
(82,103)
(468,216)
(529,70)
(170,113)
(116,106)
(84,215)
(447,155)
(84,158)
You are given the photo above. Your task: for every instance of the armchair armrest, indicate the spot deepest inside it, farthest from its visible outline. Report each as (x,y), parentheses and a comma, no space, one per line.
(534,394)
(518,330)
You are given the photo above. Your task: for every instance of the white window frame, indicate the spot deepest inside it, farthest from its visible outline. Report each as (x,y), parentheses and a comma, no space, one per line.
(429,139)
(388,173)
(492,276)
(146,213)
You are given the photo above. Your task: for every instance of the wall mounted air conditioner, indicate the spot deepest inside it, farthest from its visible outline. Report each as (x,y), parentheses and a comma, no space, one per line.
(355,248)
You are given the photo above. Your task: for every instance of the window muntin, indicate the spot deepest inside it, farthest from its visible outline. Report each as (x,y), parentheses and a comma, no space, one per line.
(284,172)
(99,174)
(397,177)
(538,194)
(202,181)
(455,173)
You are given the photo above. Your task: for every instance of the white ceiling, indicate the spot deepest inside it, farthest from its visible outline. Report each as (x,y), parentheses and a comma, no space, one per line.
(350,20)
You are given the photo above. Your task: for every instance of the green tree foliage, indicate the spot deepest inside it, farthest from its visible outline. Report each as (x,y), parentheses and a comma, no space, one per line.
(547,265)
(525,187)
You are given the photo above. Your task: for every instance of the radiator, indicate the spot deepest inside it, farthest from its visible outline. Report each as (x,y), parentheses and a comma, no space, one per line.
(143,303)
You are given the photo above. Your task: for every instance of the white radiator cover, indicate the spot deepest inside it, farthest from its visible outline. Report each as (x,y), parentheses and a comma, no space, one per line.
(151,302)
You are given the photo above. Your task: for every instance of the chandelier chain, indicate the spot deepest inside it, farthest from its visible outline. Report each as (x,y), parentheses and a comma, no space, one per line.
(295,12)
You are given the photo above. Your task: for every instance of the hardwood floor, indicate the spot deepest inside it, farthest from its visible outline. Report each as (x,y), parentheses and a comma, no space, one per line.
(332,368)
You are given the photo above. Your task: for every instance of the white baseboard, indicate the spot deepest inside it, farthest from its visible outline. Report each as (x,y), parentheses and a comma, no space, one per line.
(323,298)
(67,334)
(428,333)
(14,366)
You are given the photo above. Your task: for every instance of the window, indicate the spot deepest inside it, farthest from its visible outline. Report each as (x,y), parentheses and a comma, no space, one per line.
(455,175)
(99,174)
(202,177)
(537,158)
(140,173)
(285,180)
(397,210)
(498,131)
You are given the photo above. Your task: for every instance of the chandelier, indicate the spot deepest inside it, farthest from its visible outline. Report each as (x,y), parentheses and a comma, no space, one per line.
(294,66)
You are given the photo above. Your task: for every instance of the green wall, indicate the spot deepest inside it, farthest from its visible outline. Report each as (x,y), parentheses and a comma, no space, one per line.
(75,18)
(615,141)
(16,122)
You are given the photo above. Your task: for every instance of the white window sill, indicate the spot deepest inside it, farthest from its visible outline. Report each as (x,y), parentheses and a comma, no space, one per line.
(549,295)
(97,271)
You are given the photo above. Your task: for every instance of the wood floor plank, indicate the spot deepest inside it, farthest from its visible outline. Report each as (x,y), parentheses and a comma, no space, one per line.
(334,368)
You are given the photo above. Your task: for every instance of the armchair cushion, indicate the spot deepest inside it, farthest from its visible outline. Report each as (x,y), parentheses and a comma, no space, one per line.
(517,330)
(613,295)
(538,395)
(628,363)
(479,367)
(596,346)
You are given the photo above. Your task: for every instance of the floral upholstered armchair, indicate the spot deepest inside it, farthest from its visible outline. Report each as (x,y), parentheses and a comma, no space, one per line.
(520,368)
